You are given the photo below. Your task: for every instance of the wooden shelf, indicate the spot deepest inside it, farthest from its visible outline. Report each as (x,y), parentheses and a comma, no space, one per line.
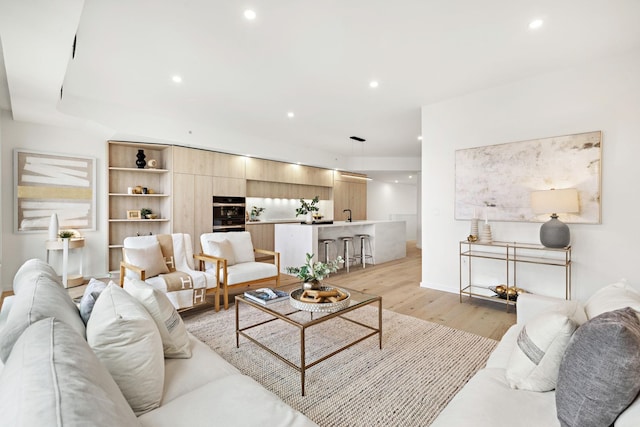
(116,168)
(138,195)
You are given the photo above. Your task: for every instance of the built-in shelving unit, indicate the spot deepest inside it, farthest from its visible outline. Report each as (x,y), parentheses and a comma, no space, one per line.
(510,254)
(122,174)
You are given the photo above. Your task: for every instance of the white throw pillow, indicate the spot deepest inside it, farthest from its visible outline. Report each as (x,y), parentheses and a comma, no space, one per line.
(149,258)
(613,297)
(125,338)
(242,247)
(52,378)
(39,297)
(222,249)
(175,340)
(535,360)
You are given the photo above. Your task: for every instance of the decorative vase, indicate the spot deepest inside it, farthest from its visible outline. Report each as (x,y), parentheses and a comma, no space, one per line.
(307,286)
(309,218)
(53,227)
(141,163)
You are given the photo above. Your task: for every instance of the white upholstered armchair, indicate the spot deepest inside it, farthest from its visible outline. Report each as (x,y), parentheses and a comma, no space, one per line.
(166,262)
(235,263)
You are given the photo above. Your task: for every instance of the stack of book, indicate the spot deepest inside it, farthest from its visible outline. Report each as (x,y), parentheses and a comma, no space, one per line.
(266,295)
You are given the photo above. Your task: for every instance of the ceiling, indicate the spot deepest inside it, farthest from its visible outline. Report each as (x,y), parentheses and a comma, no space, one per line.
(315,59)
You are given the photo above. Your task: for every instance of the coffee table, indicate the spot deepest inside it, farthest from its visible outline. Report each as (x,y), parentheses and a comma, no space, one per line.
(284,311)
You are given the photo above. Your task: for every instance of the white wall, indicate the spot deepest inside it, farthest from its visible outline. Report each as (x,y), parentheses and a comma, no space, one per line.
(598,96)
(393,201)
(18,247)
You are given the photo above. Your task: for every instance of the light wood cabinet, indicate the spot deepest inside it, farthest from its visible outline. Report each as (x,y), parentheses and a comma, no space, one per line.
(272,171)
(262,235)
(122,174)
(287,191)
(349,193)
(209,163)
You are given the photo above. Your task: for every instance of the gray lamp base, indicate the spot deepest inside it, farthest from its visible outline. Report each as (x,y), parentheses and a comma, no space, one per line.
(555,233)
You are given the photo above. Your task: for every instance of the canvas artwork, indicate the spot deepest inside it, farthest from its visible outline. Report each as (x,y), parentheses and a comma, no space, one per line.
(51,183)
(496,181)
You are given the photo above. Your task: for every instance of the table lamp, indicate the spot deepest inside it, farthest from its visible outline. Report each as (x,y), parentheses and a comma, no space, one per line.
(554,233)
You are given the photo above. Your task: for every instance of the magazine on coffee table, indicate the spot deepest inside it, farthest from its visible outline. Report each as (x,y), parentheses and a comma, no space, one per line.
(266,295)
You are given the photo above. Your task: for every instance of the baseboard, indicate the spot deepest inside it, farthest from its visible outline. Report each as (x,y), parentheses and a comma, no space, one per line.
(439,287)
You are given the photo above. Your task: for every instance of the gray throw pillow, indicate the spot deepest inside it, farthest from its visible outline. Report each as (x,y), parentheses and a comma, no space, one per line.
(91,294)
(600,371)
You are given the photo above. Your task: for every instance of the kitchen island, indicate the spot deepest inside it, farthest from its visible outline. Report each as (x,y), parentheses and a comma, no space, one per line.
(294,241)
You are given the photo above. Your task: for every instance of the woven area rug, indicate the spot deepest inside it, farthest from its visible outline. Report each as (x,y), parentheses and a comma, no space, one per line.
(421,366)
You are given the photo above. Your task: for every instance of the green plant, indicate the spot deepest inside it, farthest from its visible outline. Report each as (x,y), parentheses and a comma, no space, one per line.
(144,212)
(256,211)
(305,207)
(66,234)
(315,271)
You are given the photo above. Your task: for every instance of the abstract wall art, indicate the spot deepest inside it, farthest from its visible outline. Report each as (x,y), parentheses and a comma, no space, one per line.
(497,180)
(52,183)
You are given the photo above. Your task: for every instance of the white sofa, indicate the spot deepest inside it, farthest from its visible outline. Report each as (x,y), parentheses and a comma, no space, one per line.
(54,371)
(489,400)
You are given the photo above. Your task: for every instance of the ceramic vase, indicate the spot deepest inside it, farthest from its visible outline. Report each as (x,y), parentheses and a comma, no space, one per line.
(311,285)
(53,227)
(140,162)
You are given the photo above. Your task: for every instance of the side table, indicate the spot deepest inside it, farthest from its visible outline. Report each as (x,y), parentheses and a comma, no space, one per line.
(64,245)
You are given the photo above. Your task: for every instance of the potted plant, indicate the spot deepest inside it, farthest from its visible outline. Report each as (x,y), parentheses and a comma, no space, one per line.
(312,273)
(66,234)
(255,213)
(144,212)
(308,208)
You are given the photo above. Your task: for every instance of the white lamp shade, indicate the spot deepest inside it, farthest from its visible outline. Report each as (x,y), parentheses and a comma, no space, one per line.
(555,201)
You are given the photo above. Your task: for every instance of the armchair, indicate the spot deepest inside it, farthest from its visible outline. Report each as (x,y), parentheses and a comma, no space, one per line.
(231,257)
(166,262)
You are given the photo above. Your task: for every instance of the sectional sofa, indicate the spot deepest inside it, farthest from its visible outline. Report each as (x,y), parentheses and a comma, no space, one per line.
(564,363)
(132,364)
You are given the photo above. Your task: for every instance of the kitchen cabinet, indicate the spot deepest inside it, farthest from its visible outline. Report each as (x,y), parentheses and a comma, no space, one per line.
(349,193)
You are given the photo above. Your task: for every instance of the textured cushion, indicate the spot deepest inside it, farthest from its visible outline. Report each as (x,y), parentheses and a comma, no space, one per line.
(38,297)
(125,338)
(612,297)
(52,378)
(30,270)
(149,258)
(242,246)
(91,294)
(535,359)
(248,271)
(599,371)
(222,249)
(175,340)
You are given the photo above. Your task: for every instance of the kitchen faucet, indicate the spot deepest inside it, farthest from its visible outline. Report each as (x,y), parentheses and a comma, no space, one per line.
(348,210)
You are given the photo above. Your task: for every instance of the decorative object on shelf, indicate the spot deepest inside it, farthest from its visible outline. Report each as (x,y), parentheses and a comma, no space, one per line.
(473,236)
(316,216)
(140,162)
(485,234)
(145,190)
(312,273)
(146,213)
(66,234)
(152,164)
(255,213)
(324,299)
(555,233)
(129,190)
(308,208)
(134,214)
(510,293)
(53,226)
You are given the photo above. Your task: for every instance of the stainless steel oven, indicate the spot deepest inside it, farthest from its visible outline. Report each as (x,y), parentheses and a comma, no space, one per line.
(229,213)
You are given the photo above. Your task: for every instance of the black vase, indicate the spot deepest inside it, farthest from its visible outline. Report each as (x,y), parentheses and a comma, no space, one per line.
(141,163)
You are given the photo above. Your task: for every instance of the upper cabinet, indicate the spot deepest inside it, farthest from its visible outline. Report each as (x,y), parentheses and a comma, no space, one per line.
(272,171)
(133,188)
(209,163)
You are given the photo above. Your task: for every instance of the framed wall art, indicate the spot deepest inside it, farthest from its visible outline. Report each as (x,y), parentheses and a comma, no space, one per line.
(496,181)
(47,183)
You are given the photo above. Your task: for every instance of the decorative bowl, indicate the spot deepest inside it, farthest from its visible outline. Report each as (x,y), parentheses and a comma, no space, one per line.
(509,293)
(323,307)
(152,216)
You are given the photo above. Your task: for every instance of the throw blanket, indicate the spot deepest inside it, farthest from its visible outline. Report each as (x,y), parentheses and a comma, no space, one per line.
(177,281)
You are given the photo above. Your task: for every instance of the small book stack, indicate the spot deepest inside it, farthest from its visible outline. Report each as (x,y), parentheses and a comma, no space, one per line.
(266,295)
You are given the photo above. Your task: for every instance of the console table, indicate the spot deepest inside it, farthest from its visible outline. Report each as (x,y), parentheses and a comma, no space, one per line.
(65,245)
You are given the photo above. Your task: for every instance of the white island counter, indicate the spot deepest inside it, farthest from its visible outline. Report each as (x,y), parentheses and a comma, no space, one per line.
(294,241)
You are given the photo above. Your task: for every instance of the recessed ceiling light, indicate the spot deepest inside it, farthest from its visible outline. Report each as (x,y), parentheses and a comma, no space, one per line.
(373,83)
(396,181)
(290,114)
(420,138)
(410,176)
(250,14)
(536,23)
(177,79)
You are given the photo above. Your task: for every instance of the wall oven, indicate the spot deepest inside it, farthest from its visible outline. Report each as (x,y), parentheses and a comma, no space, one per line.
(229,213)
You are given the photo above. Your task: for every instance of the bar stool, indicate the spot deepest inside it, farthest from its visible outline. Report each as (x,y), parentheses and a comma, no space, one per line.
(365,242)
(326,243)
(346,240)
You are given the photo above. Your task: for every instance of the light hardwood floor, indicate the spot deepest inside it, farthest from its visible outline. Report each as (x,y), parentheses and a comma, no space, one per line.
(398,282)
